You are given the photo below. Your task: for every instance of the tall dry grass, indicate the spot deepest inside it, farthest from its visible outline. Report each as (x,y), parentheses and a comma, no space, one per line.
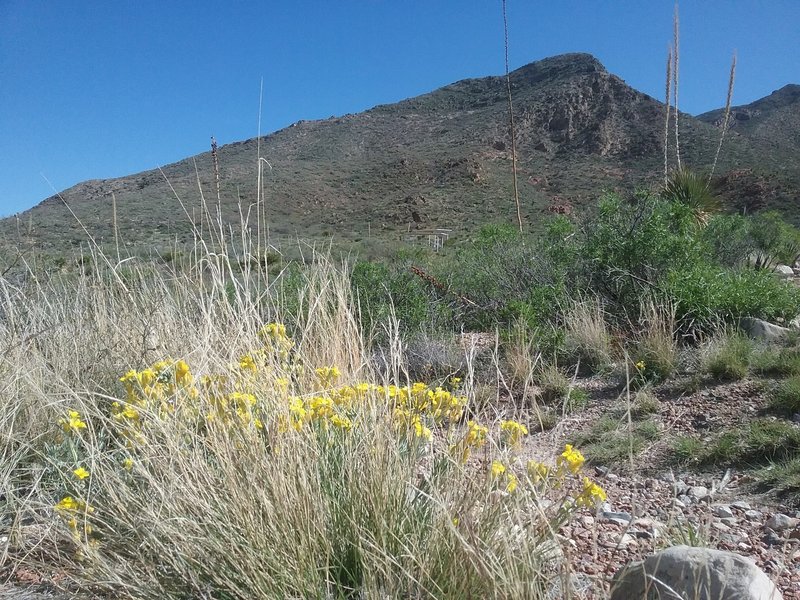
(213,511)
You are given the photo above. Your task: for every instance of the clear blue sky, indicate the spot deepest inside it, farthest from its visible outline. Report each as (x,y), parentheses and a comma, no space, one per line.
(94,89)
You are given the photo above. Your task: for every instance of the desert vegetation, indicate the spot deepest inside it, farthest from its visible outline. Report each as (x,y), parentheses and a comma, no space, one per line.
(226,423)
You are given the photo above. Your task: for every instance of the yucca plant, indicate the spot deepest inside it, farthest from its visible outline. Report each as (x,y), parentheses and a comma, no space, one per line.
(692,190)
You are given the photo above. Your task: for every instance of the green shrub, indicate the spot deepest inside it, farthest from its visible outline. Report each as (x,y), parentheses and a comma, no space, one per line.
(728,357)
(706,295)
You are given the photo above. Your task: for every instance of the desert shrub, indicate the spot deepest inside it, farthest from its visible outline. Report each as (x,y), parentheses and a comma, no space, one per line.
(630,247)
(381,292)
(512,278)
(706,296)
(728,240)
(774,239)
(728,356)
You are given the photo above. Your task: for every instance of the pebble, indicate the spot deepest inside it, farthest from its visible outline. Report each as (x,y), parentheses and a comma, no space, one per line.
(620,518)
(741,505)
(698,491)
(722,511)
(753,515)
(730,521)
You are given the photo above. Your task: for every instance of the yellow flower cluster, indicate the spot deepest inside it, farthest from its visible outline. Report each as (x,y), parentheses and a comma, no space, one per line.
(72,422)
(513,432)
(571,459)
(474,438)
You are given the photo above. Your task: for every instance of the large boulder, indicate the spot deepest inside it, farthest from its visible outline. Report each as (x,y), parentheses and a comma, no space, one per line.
(784,271)
(763,330)
(688,573)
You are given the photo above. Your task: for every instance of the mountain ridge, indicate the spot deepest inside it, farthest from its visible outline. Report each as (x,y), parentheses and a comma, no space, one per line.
(440,159)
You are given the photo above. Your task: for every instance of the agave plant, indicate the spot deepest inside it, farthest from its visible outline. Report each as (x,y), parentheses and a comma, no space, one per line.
(694,191)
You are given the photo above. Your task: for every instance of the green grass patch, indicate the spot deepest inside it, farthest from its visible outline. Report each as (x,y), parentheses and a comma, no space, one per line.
(776,361)
(612,441)
(728,359)
(786,397)
(761,441)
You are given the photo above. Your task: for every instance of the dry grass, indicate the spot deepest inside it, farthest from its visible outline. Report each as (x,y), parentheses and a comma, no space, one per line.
(209,510)
(587,337)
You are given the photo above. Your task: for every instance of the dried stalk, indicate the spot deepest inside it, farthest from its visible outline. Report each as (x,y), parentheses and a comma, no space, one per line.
(511,123)
(726,120)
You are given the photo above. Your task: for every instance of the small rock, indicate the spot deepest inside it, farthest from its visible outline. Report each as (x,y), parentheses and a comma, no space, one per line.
(722,511)
(681,502)
(753,515)
(620,518)
(795,534)
(601,471)
(681,488)
(698,492)
(741,505)
(612,476)
(606,507)
(784,271)
(771,538)
(780,522)
(720,526)
(668,477)
(587,521)
(729,521)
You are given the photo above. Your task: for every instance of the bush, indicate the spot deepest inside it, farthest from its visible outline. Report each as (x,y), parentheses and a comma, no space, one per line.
(771,360)
(706,296)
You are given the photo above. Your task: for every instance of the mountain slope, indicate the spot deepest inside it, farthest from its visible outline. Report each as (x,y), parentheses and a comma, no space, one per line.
(437,160)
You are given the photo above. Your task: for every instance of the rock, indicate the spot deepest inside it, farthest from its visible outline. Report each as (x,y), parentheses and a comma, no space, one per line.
(753,515)
(698,492)
(685,572)
(620,518)
(681,502)
(762,330)
(771,538)
(784,271)
(729,521)
(779,522)
(681,488)
(795,323)
(723,511)
(741,505)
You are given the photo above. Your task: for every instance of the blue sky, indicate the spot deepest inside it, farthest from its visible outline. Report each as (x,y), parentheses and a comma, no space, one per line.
(103,88)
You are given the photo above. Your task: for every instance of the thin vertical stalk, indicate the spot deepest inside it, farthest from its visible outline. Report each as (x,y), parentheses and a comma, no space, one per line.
(675,80)
(511,122)
(668,91)
(726,120)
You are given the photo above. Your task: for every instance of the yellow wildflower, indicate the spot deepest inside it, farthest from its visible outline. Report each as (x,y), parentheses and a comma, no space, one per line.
(127,464)
(591,495)
(498,468)
(571,458)
(641,365)
(513,431)
(341,422)
(512,483)
(247,363)
(73,422)
(81,473)
(537,471)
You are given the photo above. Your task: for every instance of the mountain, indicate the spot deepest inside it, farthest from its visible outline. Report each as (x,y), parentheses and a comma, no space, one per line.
(438,160)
